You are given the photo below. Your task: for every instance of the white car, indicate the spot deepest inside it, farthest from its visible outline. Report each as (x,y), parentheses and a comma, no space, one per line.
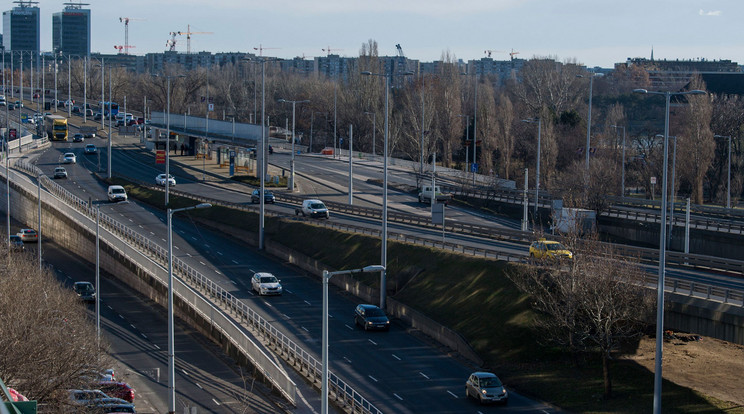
(266,284)
(90,149)
(69,158)
(117,193)
(160,180)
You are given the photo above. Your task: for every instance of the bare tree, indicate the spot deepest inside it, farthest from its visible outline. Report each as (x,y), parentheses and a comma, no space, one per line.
(695,146)
(506,139)
(594,302)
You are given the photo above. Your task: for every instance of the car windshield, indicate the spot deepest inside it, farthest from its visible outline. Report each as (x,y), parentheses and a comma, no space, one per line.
(268,279)
(490,382)
(555,246)
(374,312)
(85,288)
(317,206)
(117,190)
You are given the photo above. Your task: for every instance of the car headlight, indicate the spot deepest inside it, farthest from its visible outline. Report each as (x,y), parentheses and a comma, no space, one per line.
(484,392)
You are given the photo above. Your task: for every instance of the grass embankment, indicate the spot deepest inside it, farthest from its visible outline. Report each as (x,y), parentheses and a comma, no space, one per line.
(475,298)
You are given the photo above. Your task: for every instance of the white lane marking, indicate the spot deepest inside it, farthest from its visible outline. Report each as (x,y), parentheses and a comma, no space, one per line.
(152,233)
(131,220)
(185,373)
(141,226)
(424,375)
(286,316)
(215,401)
(308,303)
(156,346)
(396,357)
(235,261)
(219,253)
(177,247)
(198,385)
(121,316)
(143,335)
(202,263)
(108,306)
(373,342)
(189,255)
(372,378)
(233,282)
(207,246)
(347,360)
(305,329)
(163,240)
(288,291)
(268,304)
(350,328)
(193,238)
(218,272)
(398,396)
(452,393)
(302,397)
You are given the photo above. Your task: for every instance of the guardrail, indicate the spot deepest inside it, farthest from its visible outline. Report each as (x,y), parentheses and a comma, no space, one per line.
(289,350)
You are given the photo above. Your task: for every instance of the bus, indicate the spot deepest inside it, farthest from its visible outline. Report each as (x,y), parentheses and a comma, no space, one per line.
(56,127)
(105,108)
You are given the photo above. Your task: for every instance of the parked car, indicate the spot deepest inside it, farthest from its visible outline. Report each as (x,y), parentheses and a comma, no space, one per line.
(549,249)
(117,389)
(313,208)
(78,137)
(16,243)
(114,408)
(256,196)
(371,317)
(117,193)
(69,158)
(266,284)
(160,180)
(28,235)
(60,172)
(486,388)
(97,116)
(90,149)
(90,397)
(89,134)
(18,104)
(85,290)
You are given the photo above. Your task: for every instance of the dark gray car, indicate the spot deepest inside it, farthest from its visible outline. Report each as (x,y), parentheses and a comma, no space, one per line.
(371,317)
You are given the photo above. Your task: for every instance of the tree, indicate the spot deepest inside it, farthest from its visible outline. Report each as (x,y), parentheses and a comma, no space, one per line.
(695,145)
(594,302)
(506,139)
(47,342)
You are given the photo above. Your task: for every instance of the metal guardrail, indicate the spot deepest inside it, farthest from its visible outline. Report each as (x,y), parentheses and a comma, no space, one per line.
(289,350)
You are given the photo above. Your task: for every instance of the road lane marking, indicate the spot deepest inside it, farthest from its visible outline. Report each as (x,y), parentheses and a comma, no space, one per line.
(308,303)
(193,238)
(424,375)
(350,328)
(202,263)
(156,346)
(219,253)
(152,233)
(373,342)
(286,316)
(143,335)
(185,373)
(347,360)
(215,401)
(288,291)
(198,385)
(234,261)
(133,327)
(398,396)
(305,329)
(372,378)
(207,246)
(268,304)
(189,255)
(177,247)
(121,316)
(451,393)
(396,357)
(218,272)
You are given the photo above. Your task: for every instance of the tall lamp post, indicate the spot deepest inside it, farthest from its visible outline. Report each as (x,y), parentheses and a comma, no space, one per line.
(622,179)
(171,347)
(167,132)
(662,247)
(728,192)
(383,276)
(537,176)
(292,160)
(324,364)
(475,126)
(588,121)
(38,247)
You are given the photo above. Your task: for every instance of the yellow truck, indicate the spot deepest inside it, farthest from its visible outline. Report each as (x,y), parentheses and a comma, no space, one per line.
(56,127)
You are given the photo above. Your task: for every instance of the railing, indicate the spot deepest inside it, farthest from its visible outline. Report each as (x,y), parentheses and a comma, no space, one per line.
(289,350)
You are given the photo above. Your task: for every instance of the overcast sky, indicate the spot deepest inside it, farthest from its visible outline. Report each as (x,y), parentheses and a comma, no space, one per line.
(594,33)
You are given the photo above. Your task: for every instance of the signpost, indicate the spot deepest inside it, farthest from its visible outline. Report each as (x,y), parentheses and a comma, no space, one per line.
(160,157)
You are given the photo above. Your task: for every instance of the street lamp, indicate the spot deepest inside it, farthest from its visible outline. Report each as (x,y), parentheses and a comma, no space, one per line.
(622,180)
(167,133)
(728,192)
(662,247)
(537,176)
(171,350)
(292,161)
(383,276)
(324,339)
(374,129)
(467,137)
(588,120)
(475,126)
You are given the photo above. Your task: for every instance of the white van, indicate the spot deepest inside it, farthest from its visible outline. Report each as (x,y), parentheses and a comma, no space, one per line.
(117,193)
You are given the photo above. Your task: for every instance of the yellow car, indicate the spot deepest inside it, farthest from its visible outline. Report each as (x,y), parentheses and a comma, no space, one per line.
(549,249)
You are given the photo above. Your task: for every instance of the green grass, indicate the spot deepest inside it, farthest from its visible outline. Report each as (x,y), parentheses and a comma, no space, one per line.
(475,298)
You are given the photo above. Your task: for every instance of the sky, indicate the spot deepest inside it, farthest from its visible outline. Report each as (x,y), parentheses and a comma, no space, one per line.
(592,33)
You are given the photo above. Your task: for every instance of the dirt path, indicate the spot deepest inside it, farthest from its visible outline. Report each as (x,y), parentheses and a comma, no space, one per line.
(710,366)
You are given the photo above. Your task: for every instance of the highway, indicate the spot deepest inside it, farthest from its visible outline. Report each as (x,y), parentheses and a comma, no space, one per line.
(396,371)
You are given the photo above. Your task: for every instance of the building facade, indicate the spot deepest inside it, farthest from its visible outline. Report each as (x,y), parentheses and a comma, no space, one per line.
(71,30)
(21,28)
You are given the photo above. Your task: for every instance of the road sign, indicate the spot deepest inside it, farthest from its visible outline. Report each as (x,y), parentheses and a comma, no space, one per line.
(211,107)
(12,133)
(160,157)
(653,180)
(474,167)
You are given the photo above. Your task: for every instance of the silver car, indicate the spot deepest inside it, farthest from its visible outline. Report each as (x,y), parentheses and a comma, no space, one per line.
(486,388)
(266,284)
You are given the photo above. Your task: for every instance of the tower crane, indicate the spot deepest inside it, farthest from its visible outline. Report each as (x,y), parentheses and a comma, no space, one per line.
(171,43)
(188,34)
(260,49)
(126,20)
(512,53)
(400,50)
(328,50)
(123,49)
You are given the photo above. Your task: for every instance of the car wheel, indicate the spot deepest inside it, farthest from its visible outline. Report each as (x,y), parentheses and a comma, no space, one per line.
(303,214)
(467,393)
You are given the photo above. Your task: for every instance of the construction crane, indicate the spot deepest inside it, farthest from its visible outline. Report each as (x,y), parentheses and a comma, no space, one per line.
(171,43)
(512,53)
(260,49)
(488,52)
(328,50)
(126,20)
(188,34)
(123,49)
(400,50)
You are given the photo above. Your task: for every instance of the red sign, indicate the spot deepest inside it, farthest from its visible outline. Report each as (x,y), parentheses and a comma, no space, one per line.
(12,133)
(160,157)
